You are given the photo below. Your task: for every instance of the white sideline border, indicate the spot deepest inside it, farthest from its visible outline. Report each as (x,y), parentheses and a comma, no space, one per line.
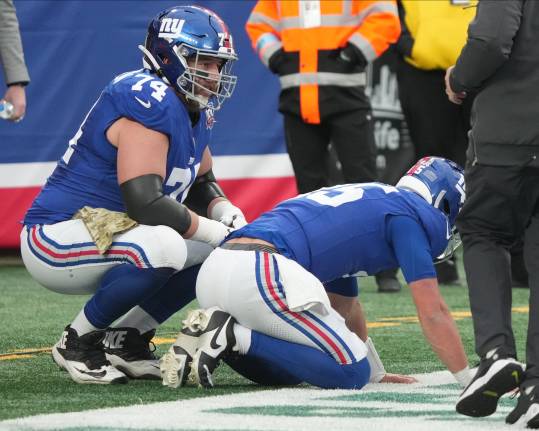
(14,175)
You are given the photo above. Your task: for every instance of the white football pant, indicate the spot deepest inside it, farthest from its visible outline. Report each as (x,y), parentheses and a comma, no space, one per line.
(248,285)
(63,257)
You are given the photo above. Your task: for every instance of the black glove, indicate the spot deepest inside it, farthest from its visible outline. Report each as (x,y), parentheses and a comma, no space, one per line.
(276,60)
(352,55)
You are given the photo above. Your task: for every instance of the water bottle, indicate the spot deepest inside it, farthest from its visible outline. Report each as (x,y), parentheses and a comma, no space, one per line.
(6,110)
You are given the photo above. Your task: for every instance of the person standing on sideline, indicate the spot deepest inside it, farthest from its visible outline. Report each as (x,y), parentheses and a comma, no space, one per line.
(12,59)
(433,34)
(319,49)
(500,61)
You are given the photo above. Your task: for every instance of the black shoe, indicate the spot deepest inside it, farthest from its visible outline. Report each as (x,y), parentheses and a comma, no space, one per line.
(214,343)
(527,409)
(496,375)
(129,351)
(446,272)
(387,281)
(83,358)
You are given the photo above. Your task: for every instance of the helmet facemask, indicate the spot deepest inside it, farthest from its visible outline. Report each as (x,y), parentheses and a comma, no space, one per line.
(207,89)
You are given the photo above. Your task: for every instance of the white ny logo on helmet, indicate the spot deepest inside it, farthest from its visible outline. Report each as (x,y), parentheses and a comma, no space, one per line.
(171,28)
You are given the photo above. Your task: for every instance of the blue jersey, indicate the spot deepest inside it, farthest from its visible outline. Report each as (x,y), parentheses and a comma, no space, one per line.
(346,230)
(86,174)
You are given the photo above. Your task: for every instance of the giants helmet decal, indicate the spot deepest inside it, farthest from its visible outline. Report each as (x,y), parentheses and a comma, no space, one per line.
(183,33)
(440,182)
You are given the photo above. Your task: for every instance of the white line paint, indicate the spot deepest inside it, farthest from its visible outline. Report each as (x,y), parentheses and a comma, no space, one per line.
(325,411)
(225,167)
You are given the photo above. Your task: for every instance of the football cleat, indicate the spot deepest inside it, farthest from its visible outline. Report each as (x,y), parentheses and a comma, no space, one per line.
(527,410)
(215,342)
(495,376)
(83,358)
(129,351)
(175,365)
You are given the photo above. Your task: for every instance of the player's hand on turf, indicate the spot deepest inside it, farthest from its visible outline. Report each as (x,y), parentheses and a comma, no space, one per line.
(398,378)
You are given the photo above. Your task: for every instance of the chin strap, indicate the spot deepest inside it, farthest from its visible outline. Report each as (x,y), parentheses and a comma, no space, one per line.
(152,65)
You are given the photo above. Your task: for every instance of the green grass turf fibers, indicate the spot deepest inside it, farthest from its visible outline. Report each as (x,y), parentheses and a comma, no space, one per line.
(32,319)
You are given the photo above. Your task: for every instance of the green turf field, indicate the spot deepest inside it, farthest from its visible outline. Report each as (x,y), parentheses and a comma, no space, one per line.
(32,319)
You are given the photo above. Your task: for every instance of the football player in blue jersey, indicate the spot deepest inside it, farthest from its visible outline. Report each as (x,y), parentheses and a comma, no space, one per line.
(142,150)
(264,289)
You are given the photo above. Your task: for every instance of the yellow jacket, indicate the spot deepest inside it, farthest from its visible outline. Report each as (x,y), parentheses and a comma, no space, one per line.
(438,29)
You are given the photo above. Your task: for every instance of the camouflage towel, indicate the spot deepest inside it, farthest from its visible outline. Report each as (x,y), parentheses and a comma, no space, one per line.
(103,224)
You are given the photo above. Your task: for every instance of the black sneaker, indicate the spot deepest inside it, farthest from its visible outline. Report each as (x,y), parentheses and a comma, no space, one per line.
(129,351)
(176,363)
(215,342)
(495,376)
(387,281)
(527,409)
(83,358)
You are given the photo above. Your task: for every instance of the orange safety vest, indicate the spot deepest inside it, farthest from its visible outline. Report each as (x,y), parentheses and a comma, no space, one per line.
(312,32)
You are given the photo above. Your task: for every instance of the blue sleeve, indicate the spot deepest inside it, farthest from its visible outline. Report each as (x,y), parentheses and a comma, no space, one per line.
(411,246)
(150,103)
(348,286)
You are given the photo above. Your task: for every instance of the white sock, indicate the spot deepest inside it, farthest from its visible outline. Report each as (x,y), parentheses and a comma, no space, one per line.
(82,325)
(243,338)
(137,318)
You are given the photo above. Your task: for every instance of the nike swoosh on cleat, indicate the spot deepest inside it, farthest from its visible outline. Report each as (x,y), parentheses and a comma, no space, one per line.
(96,374)
(147,104)
(213,342)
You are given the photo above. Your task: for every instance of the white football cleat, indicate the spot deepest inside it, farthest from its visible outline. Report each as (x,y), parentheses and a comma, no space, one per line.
(175,365)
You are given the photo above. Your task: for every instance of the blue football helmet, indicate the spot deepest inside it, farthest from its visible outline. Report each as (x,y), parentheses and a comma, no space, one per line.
(178,39)
(440,182)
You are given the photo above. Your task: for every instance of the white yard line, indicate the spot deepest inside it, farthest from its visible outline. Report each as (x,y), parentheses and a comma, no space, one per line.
(420,407)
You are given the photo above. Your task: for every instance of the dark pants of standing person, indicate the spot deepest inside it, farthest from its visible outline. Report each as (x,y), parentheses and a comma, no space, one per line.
(437,126)
(352,136)
(502,204)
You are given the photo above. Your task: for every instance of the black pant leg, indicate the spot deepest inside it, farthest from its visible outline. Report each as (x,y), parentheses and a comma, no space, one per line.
(307,146)
(488,224)
(437,126)
(352,136)
(531,258)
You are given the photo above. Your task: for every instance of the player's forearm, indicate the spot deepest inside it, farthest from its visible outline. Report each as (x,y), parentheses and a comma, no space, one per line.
(441,332)
(439,327)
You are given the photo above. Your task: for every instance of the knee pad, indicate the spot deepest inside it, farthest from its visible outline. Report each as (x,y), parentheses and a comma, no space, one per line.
(163,246)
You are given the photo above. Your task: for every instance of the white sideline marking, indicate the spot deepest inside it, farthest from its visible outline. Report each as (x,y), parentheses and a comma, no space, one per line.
(325,412)
(225,168)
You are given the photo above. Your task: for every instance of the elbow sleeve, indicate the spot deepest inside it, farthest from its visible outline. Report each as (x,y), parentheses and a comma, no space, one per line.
(146,204)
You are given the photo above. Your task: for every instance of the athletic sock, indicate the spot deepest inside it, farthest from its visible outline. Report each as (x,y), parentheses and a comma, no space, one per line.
(243,338)
(82,325)
(137,318)
(123,287)
(309,364)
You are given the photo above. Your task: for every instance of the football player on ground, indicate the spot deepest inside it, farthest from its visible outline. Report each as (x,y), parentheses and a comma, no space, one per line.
(267,312)
(142,150)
